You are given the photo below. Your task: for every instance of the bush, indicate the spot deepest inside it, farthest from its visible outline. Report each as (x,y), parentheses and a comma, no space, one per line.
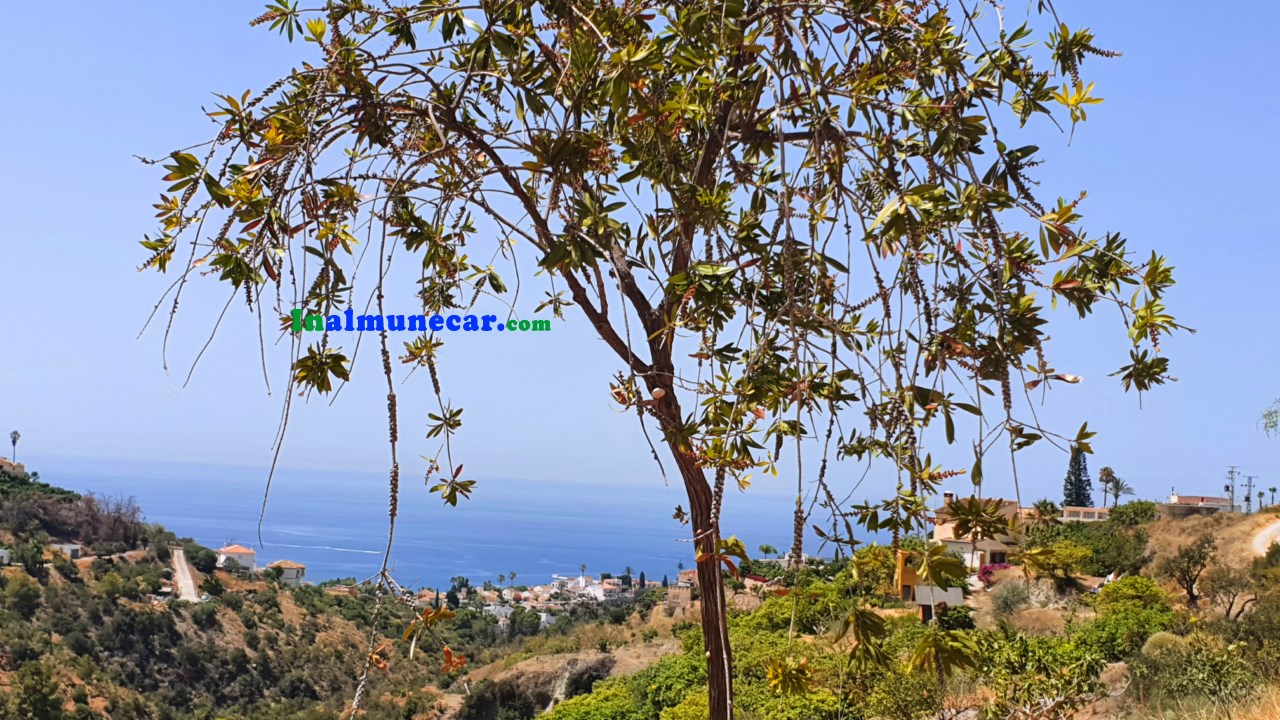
(1133,513)
(212,586)
(959,617)
(1133,591)
(987,573)
(1195,666)
(898,695)
(205,615)
(1130,611)
(1008,598)
(610,701)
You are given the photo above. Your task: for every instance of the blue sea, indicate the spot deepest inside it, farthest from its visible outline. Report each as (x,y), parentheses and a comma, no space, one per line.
(336,522)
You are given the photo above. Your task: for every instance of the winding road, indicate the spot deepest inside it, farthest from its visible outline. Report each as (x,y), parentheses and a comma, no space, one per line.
(1263,539)
(183,576)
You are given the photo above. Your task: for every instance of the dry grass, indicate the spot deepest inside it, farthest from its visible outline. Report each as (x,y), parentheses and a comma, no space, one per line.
(1263,706)
(1233,532)
(1039,621)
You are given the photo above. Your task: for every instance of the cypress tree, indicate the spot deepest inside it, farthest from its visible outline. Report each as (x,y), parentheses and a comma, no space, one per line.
(642,582)
(664,581)
(1077,489)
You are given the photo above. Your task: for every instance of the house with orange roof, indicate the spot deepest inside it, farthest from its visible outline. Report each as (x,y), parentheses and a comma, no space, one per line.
(291,573)
(241,554)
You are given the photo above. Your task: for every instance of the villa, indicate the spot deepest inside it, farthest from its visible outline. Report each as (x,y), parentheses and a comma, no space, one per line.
(241,554)
(978,552)
(1071,513)
(291,573)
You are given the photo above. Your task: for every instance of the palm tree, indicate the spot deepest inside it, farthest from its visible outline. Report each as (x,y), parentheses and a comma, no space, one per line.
(512,577)
(767,550)
(1119,488)
(583,568)
(501,578)
(14,437)
(1273,495)
(1107,479)
(1261,495)
(1044,513)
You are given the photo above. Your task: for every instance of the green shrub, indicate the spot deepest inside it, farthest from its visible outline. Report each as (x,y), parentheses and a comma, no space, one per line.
(1130,611)
(1133,513)
(1197,666)
(899,695)
(1008,598)
(1134,591)
(611,700)
(1022,671)
(205,615)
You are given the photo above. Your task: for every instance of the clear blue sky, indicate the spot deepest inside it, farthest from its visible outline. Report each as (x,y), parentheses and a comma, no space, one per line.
(1181,157)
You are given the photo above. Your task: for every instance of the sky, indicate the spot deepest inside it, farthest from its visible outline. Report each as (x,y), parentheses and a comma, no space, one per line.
(1181,158)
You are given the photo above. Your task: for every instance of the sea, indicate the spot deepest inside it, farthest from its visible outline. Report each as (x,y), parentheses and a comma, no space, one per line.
(335,522)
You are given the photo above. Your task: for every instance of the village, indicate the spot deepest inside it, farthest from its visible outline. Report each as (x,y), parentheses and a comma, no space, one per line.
(550,598)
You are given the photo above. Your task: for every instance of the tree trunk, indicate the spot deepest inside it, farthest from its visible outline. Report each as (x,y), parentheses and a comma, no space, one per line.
(715,626)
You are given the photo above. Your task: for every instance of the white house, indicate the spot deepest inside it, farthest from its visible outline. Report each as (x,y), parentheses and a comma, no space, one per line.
(241,554)
(1204,501)
(5,556)
(291,573)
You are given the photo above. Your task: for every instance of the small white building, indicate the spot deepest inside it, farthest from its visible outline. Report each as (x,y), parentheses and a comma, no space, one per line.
(73,551)
(241,554)
(291,573)
(5,556)
(1205,501)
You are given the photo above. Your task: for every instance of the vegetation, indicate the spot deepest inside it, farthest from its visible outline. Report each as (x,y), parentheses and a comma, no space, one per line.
(1077,489)
(1186,567)
(776,217)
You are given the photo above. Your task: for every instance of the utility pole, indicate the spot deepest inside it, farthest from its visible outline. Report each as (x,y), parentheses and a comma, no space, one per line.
(1233,471)
(1248,493)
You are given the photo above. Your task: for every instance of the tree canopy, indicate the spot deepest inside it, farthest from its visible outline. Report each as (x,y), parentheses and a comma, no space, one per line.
(792,223)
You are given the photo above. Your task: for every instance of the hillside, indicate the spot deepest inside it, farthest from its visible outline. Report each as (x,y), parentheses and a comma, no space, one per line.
(104,637)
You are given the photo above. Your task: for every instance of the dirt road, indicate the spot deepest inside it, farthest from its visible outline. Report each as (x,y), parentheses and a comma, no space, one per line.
(1263,539)
(182,573)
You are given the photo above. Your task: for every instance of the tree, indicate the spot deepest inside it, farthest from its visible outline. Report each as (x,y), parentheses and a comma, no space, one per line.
(30,555)
(212,586)
(768,550)
(512,577)
(1261,497)
(1272,490)
(1119,489)
(502,578)
(14,437)
(36,693)
(1106,476)
(1137,512)
(202,558)
(1186,566)
(22,595)
(696,181)
(1044,513)
(1076,488)
(665,582)
(1230,588)
(643,583)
